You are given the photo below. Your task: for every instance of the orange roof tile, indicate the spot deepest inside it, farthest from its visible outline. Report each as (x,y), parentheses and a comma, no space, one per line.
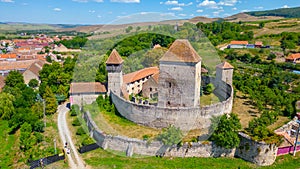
(235,42)
(293,56)
(259,43)
(8,56)
(114,58)
(225,65)
(155,77)
(134,76)
(87,87)
(16,65)
(36,67)
(181,51)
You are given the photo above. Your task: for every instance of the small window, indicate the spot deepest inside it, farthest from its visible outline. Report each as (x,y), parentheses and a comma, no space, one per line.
(170,84)
(169,103)
(150,89)
(133,88)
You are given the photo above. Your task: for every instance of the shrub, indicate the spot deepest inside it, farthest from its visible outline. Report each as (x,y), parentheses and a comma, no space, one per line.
(76,122)
(38,126)
(170,136)
(74,110)
(39,137)
(80,131)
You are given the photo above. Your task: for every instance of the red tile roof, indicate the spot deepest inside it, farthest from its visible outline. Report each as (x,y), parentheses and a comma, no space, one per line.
(36,67)
(293,56)
(15,65)
(181,51)
(87,87)
(155,77)
(225,65)
(258,43)
(134,76)
(8,56)
(235,42)
(114,58)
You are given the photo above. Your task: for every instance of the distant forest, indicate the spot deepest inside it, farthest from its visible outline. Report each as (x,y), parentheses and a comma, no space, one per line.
(284,12)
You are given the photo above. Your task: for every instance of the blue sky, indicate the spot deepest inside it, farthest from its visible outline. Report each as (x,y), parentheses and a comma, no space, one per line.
(116,11)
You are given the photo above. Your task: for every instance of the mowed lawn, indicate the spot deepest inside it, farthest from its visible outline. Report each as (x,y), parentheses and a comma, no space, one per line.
(106,160)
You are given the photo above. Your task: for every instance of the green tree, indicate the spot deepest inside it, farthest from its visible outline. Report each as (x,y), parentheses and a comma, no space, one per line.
(170,136)
(33,83)
(14,78)
(209,88)
(226,134)
(50,101)
(261,25)
(6,105)
(26,139)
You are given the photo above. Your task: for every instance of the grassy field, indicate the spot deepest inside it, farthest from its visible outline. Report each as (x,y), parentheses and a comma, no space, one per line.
(206,100)
(103,159)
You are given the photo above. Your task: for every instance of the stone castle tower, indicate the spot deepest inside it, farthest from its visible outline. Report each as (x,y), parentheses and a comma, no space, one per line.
(114,65)
(224,72)
(179,76)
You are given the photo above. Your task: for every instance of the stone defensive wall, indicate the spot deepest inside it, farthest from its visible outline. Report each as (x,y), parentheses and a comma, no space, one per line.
(259,153)
(186,118)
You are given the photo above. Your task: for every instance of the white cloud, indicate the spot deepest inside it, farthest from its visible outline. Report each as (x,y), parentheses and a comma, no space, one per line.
(126,1)
(98,0)
(259,7)
(192,15)
(181,14)
(99,16)
(161,2)
(24,4)
(92,11)
(56,9)
(8,1)
(285,6)
(144,13)
(208,4)
(199,10)
(176,3)
(176,9)
(245,10)
(228,2)
(171,2)
(234,8)
(216,13)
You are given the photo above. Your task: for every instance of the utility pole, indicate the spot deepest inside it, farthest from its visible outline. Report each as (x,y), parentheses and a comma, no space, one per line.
(44,110)
(54,146)
(297,135)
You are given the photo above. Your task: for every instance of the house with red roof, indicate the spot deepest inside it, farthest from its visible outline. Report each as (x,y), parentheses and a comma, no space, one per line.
(238,44)
(294,58)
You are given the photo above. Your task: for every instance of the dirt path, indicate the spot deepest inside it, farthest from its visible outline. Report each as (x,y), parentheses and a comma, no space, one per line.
(74,159)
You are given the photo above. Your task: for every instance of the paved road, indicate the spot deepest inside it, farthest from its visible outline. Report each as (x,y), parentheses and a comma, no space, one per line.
(74,159)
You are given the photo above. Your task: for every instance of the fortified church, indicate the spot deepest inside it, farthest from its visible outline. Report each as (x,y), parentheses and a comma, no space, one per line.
(175,86)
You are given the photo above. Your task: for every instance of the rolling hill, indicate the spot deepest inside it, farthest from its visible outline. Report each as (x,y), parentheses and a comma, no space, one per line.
(283,12)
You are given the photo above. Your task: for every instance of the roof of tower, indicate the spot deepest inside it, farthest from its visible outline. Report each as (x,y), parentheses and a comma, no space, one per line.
(114,58)
(181,51)
(225,65)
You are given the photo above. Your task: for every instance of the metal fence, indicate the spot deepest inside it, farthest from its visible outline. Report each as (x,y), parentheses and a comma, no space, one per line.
(87,148)
(46,161)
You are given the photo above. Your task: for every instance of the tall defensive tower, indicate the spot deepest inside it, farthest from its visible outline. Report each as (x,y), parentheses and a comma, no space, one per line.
(114,65)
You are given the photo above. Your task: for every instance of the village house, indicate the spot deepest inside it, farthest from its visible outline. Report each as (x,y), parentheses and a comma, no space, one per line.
(29,68)
(294,58)
(238,44)
(85,92)
(8,57)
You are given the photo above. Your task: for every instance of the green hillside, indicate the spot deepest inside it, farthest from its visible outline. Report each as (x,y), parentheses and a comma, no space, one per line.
(284,12)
